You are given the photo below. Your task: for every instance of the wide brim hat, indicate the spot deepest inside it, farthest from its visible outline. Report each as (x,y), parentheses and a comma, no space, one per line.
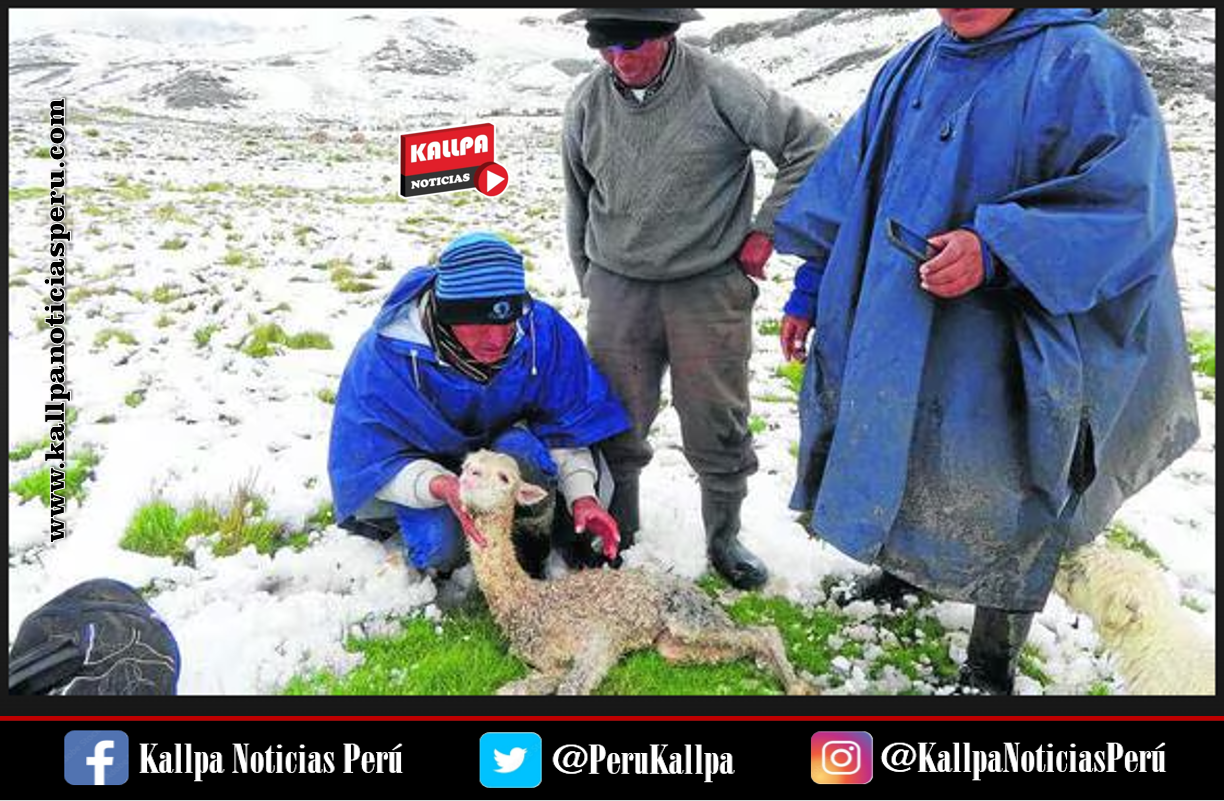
(673,15)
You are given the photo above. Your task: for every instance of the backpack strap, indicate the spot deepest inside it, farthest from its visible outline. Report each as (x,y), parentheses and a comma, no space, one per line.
(44,667)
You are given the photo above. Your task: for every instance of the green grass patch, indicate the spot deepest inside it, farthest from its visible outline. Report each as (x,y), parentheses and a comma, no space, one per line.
(168,212)
(793,373)
(134,398)
(125,190)
(1195,605)
(203,335)
(23,450)
(39,152)
(160,529)
(270,339)
(1202,352)
(466,658)
(327,395)
(106,335)
(27,193)
(92,133)
(322,517)
(1123,537)
(1032,665)
(176,243)
(757,424)
(163,321)
(81,463)
(1100,688)
(166,293)
(769,328)
(212,186)
(344,277)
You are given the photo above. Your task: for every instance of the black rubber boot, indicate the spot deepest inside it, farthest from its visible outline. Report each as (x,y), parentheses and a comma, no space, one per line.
(994,650)
(880,588)
(734,562)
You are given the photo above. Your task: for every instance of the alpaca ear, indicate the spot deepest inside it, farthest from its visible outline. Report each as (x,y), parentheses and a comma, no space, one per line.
(529,494)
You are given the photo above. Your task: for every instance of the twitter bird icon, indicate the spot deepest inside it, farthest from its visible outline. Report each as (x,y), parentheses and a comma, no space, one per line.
(508,763)
(511,759)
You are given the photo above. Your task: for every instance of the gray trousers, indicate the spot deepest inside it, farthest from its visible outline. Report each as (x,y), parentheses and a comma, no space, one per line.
(699,328)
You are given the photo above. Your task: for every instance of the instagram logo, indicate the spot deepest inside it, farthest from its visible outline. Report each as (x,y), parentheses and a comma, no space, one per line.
(841,757)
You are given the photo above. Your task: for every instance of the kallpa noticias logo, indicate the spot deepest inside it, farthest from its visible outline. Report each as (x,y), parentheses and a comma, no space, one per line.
(450,159)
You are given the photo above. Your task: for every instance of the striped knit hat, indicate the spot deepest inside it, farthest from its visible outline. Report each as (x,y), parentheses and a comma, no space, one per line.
(480,281)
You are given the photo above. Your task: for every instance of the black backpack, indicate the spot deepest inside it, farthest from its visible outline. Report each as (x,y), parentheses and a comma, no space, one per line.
(97,638)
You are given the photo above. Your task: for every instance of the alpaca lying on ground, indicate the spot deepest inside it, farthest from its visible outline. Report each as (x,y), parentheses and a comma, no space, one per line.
(1160,650)
(573,630)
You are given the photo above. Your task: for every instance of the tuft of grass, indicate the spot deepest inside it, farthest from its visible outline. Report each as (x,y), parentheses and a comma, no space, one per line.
(345,278)
(159,529)
(793,373)
(25,193)
(163,321)
(212,186)
(1030,664)
(1191,603)
(769,328)
(757,425)
(38,483)
(24,450)
(125,190)
(135,397)
(1123,537)
(203,335)
(1202,352)
(39,152)
(327,395)
(104,337)
(177,243)
(166,293)
(322,517)
(168,212)
(1100,688)
(267,340)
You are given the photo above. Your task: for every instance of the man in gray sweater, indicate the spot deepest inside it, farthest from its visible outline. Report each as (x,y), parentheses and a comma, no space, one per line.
(657,155)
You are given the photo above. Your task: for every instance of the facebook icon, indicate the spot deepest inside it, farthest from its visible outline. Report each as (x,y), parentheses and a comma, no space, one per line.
(95,757)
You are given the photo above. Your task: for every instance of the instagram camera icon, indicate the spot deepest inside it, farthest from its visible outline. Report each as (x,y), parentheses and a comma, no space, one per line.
(841,757)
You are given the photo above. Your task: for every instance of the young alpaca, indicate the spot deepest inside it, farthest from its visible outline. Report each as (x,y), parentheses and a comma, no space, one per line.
(572,630)
(1160,650)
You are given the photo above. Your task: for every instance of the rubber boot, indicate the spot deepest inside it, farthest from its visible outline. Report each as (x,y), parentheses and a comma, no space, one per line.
(734,562)
(880,588)
(994,650)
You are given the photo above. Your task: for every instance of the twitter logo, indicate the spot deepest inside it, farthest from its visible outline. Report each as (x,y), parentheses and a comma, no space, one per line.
(511,759)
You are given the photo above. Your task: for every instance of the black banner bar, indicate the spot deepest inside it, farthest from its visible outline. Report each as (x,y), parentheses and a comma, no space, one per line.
(708,759)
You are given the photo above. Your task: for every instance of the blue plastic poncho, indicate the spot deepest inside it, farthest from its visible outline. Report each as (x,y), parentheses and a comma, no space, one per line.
(397,403)
(964,444)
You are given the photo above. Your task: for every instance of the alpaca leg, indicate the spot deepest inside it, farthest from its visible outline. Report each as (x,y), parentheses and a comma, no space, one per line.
(535,684)
(725,644)
(590,667)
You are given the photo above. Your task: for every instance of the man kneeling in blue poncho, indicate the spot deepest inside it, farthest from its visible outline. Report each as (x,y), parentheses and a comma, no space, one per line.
(461,358)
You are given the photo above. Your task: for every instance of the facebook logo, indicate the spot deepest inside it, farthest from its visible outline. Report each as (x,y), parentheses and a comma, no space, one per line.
(95,757)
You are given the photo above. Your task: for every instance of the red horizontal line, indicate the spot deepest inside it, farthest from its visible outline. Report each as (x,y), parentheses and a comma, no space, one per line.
(628,718)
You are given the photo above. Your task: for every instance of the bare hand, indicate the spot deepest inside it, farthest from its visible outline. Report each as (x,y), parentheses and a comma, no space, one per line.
(753,253)
(446,488)
(957,268)
(794,338)
(590,516)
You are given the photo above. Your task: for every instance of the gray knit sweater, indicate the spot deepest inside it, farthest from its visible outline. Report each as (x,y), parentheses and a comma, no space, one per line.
(663,189)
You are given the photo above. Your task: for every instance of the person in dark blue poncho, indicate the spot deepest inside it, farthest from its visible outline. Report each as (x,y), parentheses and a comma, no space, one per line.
(461,358)
(969,415)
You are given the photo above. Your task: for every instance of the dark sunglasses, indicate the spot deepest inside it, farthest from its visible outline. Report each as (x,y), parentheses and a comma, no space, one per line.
(626,46)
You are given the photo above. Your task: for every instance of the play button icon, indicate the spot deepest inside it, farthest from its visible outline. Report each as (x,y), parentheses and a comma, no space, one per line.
(492,179)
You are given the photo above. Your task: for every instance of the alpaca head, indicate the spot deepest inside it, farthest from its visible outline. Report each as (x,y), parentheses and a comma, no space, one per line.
(491,481)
